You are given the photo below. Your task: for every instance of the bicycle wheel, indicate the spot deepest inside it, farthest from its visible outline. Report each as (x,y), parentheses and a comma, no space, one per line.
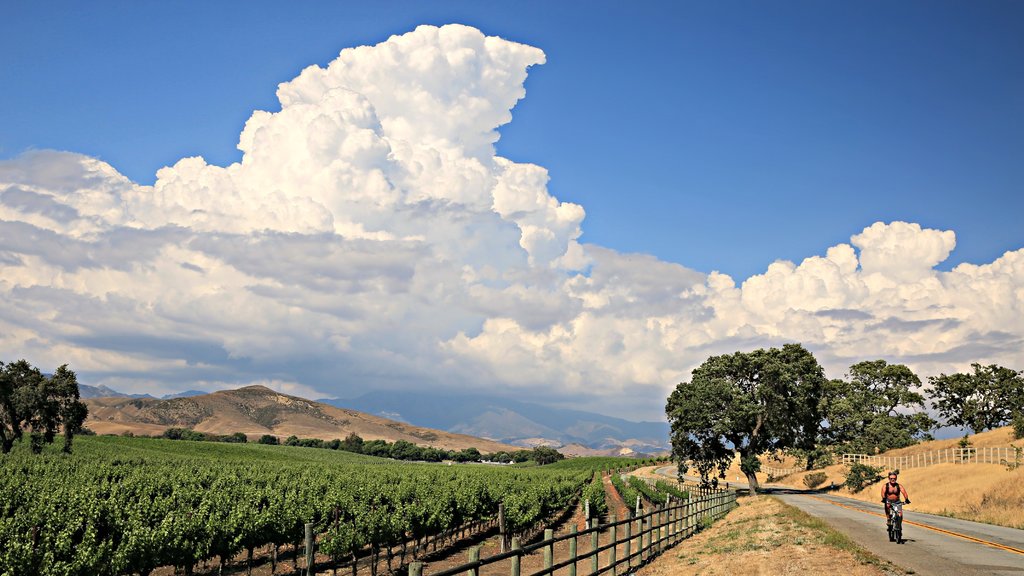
(897,529)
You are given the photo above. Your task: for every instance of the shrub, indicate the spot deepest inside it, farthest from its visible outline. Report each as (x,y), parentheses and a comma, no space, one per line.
(861,475)
(814,479)
(269,439)
(1018,425)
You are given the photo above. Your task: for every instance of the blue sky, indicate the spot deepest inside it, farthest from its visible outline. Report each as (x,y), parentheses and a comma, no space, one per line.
(720,135)
(680,179)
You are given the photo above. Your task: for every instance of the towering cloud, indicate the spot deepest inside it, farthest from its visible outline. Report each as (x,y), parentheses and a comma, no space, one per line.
(370,236)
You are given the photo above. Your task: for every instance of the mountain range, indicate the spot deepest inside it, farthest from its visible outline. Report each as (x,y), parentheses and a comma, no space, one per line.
(516,422)
(85,391)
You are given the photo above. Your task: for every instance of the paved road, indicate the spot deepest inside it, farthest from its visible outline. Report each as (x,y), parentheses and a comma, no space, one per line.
(930,548)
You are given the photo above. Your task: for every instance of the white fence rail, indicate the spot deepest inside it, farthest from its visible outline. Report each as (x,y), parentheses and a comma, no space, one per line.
(1005,455)
(780,472)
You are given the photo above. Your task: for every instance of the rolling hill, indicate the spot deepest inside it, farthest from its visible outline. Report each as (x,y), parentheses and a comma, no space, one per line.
(256,410)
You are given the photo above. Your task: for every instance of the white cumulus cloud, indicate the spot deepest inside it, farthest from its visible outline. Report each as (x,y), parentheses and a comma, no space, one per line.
(372,237)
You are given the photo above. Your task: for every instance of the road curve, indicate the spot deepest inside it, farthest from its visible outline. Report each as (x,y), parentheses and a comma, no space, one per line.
(935,545)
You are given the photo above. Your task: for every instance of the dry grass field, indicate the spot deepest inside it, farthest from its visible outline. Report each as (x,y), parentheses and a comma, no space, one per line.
(990,493)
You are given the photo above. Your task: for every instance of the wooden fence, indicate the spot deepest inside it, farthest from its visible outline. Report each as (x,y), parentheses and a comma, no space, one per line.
(780,472)
(1005,455)
(639,538)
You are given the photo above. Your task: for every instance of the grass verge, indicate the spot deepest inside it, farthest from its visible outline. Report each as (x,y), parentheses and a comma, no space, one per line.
(766,536)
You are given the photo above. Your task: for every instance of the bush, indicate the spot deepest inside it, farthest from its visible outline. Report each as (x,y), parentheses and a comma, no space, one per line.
(1018,425)
(814,479)
(860,476)
(269,439)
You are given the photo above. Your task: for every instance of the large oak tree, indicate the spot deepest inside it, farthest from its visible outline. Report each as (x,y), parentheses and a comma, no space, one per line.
(751,403)
(988,398)
(878,408)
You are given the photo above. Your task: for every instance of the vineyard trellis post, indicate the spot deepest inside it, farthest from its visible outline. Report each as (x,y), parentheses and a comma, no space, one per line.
(310,542)
(501,526)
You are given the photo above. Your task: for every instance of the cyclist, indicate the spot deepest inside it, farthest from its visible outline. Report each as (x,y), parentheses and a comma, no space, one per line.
(891,491)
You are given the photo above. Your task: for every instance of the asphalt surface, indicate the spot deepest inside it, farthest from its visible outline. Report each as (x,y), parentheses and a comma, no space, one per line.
(934,545)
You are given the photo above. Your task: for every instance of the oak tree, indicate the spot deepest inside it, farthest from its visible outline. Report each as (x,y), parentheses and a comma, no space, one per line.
(751,403)
(988,398)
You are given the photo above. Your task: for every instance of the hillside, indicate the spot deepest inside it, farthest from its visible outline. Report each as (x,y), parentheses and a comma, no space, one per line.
(256,410)
(990,493)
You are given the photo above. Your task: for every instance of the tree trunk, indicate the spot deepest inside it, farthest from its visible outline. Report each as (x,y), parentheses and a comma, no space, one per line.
(749,471)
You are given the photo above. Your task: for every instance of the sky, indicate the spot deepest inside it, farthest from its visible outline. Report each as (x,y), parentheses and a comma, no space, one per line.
(572,202)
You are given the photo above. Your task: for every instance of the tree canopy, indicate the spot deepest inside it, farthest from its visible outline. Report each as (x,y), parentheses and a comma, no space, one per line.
(877,408)
(751,403)
(990,397)
(40,404)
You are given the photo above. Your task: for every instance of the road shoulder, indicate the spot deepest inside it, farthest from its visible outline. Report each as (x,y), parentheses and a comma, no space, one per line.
(766,536)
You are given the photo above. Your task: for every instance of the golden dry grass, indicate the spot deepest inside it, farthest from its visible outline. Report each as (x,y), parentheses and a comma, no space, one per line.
(990,493)
(764,536)
(981,492)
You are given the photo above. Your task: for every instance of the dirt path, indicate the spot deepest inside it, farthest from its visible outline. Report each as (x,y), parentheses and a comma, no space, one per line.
(616,505)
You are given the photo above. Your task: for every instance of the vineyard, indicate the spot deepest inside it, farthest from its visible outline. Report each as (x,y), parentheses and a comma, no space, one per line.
(131,505)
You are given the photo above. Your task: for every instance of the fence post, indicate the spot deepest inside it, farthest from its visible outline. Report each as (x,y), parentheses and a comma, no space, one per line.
(629,544)
(517,558)
(309,548)
(665,525)
(572,551)
(658,527)
(416,569)
(586,512)
(645,537)
(595,542)
(615,544)
(549,550)
(473,556)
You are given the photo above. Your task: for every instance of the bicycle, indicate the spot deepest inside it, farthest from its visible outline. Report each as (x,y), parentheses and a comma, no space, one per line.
(895,524)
